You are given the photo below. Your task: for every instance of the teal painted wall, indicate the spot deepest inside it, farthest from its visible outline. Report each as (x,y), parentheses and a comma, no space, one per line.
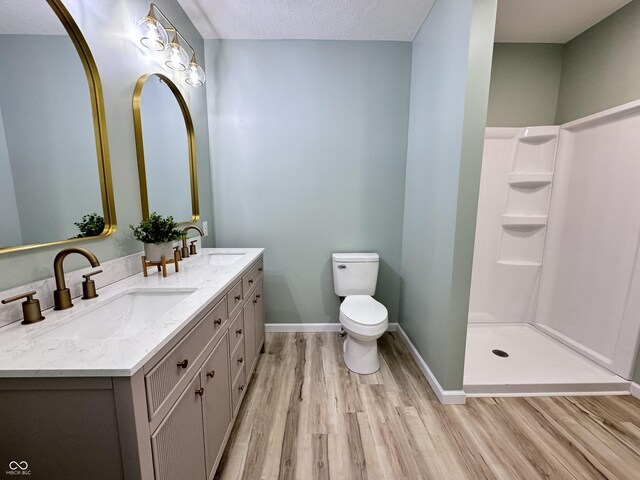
(525,84)
(10,233)
(58,156)
(109,28)
(446,135)
(601,66)
(308,147)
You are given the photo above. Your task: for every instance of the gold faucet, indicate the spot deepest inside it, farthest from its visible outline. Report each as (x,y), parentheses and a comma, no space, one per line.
(62,295)
(185,250)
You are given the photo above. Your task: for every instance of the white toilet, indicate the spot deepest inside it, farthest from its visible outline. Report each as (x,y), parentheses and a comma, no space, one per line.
(364,319)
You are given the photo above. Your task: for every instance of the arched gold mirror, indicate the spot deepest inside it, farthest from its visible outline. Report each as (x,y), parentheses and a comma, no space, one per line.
(165,144)
(52,130)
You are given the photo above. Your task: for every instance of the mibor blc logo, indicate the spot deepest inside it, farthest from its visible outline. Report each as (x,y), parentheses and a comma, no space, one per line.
(18,468)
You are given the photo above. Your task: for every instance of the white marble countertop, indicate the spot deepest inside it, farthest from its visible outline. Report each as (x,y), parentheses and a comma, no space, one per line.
(38,351)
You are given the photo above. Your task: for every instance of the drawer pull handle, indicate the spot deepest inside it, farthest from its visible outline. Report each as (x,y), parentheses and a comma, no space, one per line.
(241,387)
(183,363)
(255,300)
(217,322)
(250,281)
(239,331)
(260,269)
(238,297)
(211,374)
(200,391)
(240,360)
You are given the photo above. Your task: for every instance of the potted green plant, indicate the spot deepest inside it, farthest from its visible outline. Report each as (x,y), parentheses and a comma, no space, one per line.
(158,234)
(91,225)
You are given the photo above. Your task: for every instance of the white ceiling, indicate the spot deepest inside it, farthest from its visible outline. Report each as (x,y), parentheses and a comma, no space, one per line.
(308,19)
(550,21)
(29,17)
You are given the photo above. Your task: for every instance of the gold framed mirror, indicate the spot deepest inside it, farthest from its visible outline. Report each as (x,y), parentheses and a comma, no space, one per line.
(165,145)
(52,130)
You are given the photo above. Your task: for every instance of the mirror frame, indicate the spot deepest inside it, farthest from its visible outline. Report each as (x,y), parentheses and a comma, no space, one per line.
(99,128)
(191,141)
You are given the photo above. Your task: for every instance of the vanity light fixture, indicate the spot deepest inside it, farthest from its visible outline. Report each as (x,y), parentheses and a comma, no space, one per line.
(154,29)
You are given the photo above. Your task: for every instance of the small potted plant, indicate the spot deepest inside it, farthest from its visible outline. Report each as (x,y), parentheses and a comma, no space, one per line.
(91,225)
(158,234)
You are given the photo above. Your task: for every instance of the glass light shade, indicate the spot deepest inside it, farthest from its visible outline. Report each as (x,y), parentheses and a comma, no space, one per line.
(152,34)
(195,74)
(177,58)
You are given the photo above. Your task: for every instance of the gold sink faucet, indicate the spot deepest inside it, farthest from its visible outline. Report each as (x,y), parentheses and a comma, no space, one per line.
(62,295)
(185,250)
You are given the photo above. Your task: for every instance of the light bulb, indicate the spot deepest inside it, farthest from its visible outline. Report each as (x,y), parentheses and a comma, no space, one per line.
(177,57)
(152,34)
(195,73)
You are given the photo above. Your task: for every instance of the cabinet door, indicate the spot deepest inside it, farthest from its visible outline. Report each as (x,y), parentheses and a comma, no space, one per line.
(259,309)
(178,443)
(249,336)
(216,401)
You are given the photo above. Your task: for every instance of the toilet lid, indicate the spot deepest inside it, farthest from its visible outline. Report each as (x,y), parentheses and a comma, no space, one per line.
(363,309)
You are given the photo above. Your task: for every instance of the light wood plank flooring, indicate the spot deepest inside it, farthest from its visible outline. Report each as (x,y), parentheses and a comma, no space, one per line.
(307,417)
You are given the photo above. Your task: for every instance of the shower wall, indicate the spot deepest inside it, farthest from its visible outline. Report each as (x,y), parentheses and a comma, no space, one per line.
(515,191)
(566,262)
(589,294)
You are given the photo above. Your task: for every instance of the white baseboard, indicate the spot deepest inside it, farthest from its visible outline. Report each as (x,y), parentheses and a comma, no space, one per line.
(310,327)
(635,389)
(446,397)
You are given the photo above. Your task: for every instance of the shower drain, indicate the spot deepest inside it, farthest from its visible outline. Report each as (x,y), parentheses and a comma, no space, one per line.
(500,353)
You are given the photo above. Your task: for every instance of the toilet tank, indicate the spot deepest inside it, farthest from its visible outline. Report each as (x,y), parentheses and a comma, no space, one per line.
(355,273)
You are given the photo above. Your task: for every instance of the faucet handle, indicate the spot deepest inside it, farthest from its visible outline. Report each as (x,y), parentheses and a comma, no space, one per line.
(192,248)
(89,286)
(30,307)
(87,276)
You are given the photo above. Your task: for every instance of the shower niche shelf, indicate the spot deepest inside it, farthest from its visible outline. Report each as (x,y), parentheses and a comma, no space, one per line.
(524,221)
(530,179)
(519,263)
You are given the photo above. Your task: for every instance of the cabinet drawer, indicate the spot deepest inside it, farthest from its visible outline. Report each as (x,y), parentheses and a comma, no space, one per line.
(234,298)
(180,361)
(237,359)
(250,279)
(237,391)
(236,332)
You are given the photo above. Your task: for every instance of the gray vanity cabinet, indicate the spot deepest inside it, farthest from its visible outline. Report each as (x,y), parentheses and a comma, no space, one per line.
(250,331)
(169,420)
(178,443)
(216,403)
(259,310)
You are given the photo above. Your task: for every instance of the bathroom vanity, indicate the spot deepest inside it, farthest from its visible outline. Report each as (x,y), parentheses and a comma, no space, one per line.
(144,382)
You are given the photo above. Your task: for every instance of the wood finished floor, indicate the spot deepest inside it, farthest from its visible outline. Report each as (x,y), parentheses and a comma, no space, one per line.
(306,416)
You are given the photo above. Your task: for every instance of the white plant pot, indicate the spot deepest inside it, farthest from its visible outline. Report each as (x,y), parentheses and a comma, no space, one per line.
(154,252)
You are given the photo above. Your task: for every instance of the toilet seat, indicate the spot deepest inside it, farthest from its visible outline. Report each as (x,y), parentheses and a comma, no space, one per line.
(363,315)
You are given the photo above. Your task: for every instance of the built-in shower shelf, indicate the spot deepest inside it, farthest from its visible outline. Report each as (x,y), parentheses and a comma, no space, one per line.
(538,135)
(519,263)
(530,179)
(524,221)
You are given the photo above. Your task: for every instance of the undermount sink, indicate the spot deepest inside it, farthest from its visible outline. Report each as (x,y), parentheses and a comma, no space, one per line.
(224,259)
(122,316)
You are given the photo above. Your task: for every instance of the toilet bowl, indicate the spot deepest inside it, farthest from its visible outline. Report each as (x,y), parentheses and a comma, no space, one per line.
(364,320)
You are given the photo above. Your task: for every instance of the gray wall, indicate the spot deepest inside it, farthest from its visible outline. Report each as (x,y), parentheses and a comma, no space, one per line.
(525,83)
(308,146)
(446,132)
(602,66)
(109,28)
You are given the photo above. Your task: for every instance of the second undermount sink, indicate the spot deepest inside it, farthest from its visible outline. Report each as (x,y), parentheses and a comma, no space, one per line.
(122,316)
(224,259)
